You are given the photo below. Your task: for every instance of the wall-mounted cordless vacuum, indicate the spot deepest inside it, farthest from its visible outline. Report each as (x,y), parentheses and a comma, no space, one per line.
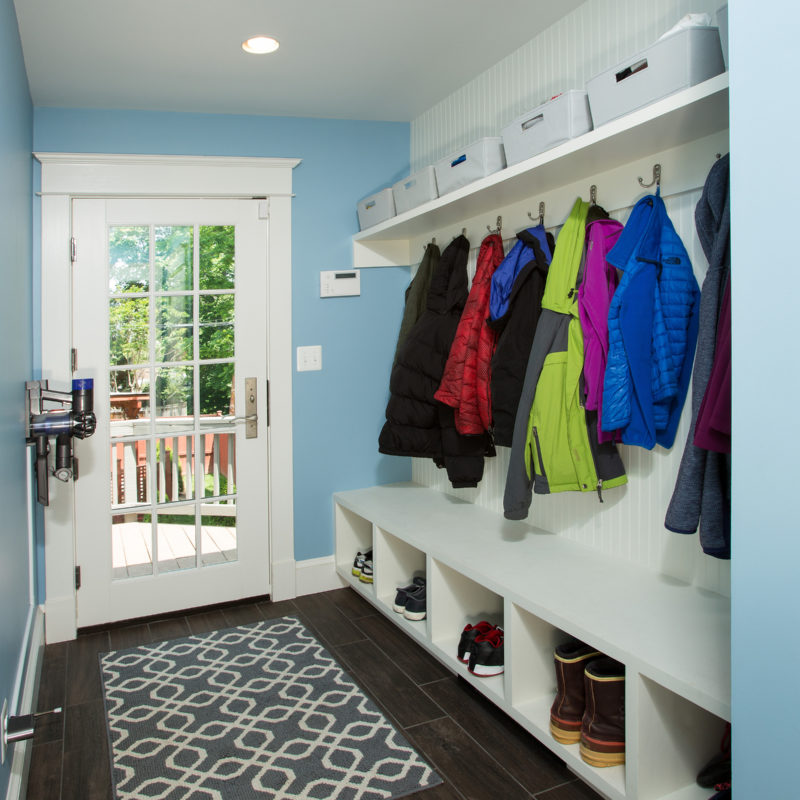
(73,417)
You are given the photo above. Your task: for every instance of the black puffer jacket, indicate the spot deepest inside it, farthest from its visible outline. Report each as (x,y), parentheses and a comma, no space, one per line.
(515,338)
(417,424)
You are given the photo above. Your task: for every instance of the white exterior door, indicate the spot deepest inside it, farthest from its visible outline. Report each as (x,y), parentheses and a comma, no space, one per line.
(170,319)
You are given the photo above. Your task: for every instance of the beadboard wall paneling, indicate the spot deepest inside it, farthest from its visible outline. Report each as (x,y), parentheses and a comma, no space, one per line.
(592,38)
(629,524)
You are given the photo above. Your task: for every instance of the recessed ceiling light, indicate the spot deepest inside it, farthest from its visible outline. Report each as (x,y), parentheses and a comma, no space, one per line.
(259,45)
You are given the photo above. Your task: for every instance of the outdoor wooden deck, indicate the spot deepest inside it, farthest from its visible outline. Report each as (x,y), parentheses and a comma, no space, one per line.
(131,548)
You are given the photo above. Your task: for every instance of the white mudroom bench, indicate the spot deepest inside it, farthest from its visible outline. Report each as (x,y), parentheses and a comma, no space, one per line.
(542,588)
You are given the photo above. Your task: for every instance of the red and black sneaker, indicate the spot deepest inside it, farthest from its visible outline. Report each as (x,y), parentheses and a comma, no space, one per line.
(486,656)
(468,636)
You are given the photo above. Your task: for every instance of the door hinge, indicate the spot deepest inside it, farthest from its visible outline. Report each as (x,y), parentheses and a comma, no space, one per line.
(268,403)
(73,359)
(77,578)
(73,250)
(263,209)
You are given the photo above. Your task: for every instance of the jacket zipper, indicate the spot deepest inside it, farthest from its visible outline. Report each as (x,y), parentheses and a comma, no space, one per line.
(599,488)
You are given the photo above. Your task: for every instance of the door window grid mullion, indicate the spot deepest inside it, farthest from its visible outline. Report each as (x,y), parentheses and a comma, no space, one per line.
(200,453)
(151,445)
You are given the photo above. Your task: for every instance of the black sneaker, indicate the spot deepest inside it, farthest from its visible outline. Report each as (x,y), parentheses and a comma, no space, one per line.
(486,656)
(366,568)
(468,637)
(403,592)
(416,604)
(358,562)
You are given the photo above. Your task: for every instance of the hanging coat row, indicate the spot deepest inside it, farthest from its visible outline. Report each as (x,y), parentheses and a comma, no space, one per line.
(524,359)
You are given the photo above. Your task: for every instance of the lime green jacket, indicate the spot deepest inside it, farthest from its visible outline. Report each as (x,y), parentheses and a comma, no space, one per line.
(555,447)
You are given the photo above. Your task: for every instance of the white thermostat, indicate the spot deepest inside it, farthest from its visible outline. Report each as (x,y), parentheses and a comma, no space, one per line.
(336,283)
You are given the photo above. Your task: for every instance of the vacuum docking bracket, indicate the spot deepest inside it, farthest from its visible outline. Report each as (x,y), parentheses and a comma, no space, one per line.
(72,417)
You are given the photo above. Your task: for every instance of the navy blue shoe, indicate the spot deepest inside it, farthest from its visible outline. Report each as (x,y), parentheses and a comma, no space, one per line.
(416,604)
(403,592)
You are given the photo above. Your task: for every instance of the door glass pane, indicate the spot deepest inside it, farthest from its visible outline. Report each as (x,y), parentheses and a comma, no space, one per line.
(216,394)
(218,533)
(130,474)
(129,258)
(174,469)
(131,545)
(176,538)
(216,326)
(173,261)
(219,464)
(174,399)
(174,328)
(129,330)
(217,256)
(129,400)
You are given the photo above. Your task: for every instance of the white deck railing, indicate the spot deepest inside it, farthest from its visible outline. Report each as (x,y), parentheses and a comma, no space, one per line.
(180,470)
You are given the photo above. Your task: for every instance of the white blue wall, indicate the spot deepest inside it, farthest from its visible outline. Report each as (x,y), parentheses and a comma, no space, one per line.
(766,387)
(16,128)
(338,411)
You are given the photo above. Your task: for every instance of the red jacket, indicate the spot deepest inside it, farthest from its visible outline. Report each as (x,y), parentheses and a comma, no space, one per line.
(465,383)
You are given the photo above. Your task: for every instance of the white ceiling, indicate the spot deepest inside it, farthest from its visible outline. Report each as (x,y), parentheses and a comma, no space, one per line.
(351,59)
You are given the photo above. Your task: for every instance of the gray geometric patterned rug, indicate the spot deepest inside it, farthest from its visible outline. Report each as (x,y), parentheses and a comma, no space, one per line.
(258,711)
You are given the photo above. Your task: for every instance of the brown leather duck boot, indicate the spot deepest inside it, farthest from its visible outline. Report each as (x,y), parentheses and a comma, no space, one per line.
(603,728)
(566,713)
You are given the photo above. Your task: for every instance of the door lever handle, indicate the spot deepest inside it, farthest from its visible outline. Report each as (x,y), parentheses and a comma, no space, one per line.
(250,417)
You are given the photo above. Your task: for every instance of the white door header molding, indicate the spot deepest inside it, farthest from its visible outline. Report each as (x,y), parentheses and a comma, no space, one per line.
(113,175)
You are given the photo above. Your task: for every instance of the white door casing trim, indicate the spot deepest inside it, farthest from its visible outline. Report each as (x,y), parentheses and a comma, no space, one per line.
(65,176)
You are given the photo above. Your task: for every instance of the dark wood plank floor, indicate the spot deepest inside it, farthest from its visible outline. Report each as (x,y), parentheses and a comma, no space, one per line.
(480,752)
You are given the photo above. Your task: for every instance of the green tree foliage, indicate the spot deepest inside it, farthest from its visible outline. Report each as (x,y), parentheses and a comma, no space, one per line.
(129,258)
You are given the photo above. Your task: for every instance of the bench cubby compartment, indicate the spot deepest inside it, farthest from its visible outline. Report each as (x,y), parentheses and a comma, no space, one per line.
(454,601)
(353,535)
(399,563)
(676,738)
(532,688)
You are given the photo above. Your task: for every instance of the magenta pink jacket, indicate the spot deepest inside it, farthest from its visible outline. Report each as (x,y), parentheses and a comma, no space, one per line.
(594,299)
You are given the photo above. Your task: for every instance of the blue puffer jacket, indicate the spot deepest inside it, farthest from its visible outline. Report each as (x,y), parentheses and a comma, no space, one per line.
(652,329)
(503,278)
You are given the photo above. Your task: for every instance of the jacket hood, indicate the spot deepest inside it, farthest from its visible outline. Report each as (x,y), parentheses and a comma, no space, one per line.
(531,251)
(449,283)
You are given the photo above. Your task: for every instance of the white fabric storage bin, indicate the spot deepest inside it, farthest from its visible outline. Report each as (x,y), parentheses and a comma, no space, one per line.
(683,59)
(722,24)
(476,160)
(415,190)
(376,208)
(563,117)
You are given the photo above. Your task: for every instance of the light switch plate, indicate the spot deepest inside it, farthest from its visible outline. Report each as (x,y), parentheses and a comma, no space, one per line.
(309,358)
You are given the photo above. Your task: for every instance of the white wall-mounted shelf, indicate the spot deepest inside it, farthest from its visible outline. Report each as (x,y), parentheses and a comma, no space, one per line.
(679,119)
(673,638)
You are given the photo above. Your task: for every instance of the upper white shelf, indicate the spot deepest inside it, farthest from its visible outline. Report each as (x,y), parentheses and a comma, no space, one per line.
(678,119)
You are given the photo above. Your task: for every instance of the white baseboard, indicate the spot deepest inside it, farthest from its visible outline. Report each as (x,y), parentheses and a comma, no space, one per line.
(283,580)
(30,667)
(317,575)
(60,622)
